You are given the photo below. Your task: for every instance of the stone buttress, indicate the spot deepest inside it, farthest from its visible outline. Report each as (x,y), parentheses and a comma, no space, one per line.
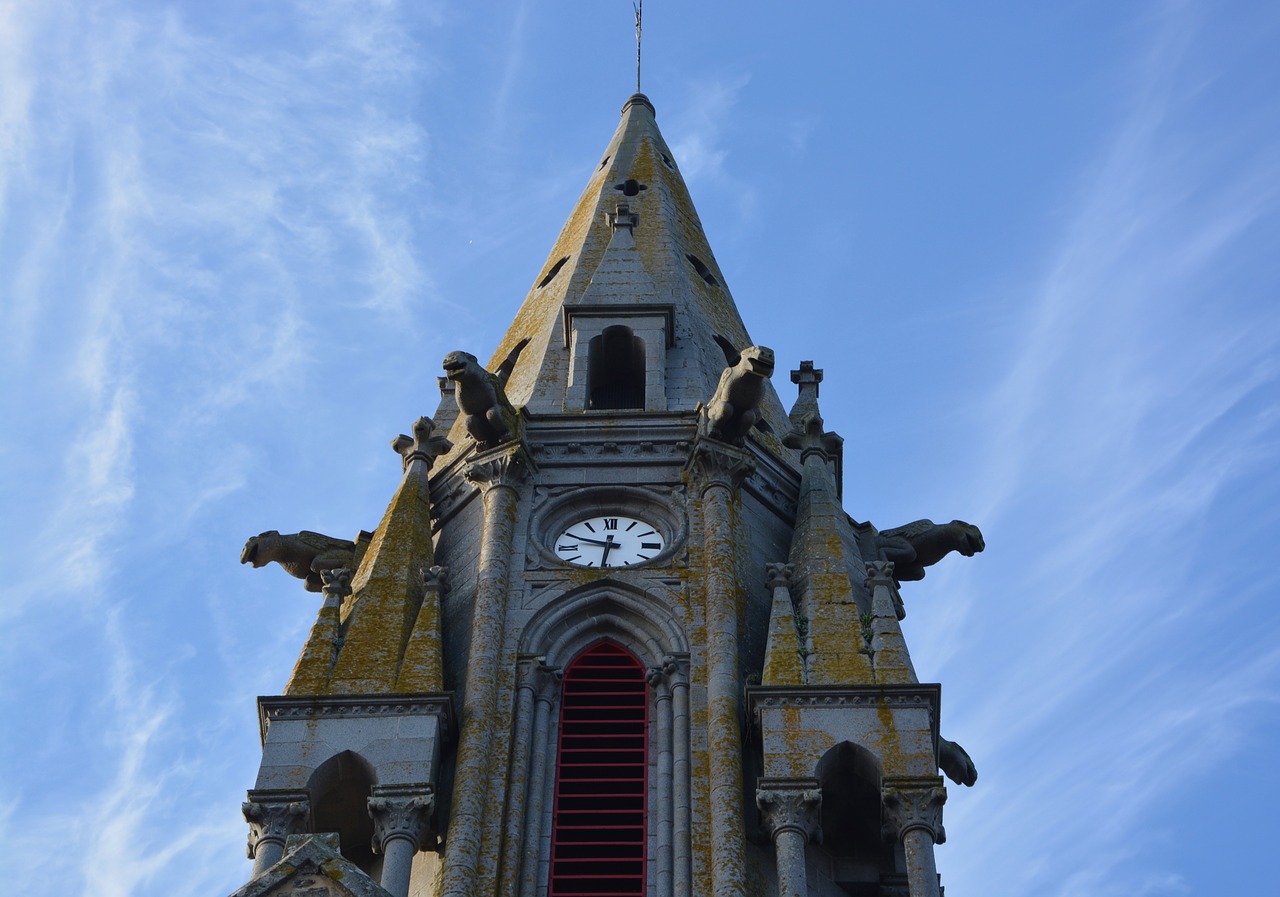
(615,633)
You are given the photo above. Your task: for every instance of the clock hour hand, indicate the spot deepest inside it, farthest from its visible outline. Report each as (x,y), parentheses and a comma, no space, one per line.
(604,555)
(590,541)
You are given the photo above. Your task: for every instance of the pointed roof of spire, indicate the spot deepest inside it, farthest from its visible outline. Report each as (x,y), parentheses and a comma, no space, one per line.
(632,239)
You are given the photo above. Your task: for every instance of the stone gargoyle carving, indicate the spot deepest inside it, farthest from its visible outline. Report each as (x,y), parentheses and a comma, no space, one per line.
(735,407)
(954,761)
(304,555)
(482,396)
(923,543)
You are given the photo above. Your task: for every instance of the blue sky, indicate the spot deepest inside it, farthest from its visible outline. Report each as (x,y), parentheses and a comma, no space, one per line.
(1032,246)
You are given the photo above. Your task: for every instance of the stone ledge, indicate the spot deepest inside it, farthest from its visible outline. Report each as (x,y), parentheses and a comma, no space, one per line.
(350,706)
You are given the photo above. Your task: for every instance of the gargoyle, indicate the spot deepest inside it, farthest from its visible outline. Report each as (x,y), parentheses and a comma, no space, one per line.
(954,761)
(923,543)
(735,407)
(482,396)
(303,554)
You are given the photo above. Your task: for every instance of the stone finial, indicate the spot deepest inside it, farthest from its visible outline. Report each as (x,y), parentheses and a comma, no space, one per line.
(435,578)
(336,582)
(807,433)
(623,217)
(779,576)
(787,806)
(403,811)
(273,817)
(421,446)
(913,803)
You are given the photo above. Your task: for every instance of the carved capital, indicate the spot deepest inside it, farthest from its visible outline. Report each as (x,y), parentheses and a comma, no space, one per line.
(779,576)
(507,465)
(403,811)
(880,576)
(913,803)
(421,446)
(436,578)
(717,463)
(791,805)
(335,583)
(273,816)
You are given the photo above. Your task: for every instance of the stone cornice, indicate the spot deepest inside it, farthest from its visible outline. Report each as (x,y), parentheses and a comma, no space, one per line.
(286,707)
(926,696)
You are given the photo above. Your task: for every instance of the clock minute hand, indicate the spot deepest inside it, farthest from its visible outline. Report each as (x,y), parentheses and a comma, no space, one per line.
(590,541)
(608,545)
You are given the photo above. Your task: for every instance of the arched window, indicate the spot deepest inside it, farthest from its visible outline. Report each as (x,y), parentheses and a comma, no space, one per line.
(599,836)
(615,361)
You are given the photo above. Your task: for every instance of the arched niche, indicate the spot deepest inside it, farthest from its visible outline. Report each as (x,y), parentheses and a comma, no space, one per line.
(340,789)
(849,776)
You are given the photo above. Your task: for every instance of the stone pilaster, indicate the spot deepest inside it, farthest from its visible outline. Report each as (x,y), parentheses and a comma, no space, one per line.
(403,823)
(498,473)
(539,690)
(423,666)
(783,664)
(913,817)
(273,815)
(315,664)
(889,653)
(719,470)
(789,810)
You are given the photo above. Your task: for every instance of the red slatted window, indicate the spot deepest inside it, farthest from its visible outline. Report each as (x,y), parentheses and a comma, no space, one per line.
(598,836)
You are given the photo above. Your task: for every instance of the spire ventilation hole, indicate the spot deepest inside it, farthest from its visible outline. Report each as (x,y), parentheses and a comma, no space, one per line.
(630,187)
(666,160)
(551,275)
(703,271)
(604,162)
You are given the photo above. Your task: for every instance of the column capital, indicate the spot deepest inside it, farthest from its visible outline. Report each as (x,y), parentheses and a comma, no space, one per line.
(539,678)
(335,583)
(791,805)
(779,576)
(403,811)
(913,802)
(717,463)
(273,815)
(674,670)
(507,465)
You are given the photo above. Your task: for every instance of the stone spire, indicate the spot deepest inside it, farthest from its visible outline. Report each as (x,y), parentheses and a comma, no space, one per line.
(633,241)
(824,552)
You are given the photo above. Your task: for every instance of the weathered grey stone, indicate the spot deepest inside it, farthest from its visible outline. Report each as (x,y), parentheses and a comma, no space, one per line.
(923,543)
(303,554)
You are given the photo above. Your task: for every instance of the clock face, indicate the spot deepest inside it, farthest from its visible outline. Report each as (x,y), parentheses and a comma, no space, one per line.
(612,541)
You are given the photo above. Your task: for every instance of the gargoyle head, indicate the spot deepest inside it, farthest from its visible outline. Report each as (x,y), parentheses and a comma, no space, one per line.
(970,541)
(252,552)
(456,364)
(757,361)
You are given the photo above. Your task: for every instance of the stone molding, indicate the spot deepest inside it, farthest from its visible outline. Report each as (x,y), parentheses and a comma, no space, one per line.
(537,677)
(274,815)
(779,576)
(913,802)
(403,811)
(717,463)
(912,695)
(336,582)
(286,707)
(506,466)
(791,805)
(674,671)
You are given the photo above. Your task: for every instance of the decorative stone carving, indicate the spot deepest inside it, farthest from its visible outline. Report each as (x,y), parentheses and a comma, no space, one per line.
(507,466)
(954,761)
(880,576)
(923,543)
(273,817)
(403,811)
(435,578)
(482,396)
(718,464)
(778,576)
(336,582)
(303,554)
(791,807)
(735,407)
(913,803)
(623,217)
(421,446)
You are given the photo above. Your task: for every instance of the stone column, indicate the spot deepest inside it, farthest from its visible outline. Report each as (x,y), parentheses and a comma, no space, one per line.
(273,816)
(790,809)
(498,473)
(720,469)
(403,824)
(545,681)
(677,672)
(913,816)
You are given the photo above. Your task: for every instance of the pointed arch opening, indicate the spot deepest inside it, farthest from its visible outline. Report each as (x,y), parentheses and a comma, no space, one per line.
(849,776)
(616,370)
(340,789)
(599,823)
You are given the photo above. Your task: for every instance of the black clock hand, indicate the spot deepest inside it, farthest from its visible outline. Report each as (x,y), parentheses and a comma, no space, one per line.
(585,539)
(608,545)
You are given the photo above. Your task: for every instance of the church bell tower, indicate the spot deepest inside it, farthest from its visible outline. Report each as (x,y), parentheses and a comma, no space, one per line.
(615,633)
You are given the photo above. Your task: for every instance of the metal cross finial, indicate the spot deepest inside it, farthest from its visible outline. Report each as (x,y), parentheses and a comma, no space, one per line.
(639,8)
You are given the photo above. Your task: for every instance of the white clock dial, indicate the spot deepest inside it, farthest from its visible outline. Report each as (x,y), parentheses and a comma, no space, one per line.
(609,541)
